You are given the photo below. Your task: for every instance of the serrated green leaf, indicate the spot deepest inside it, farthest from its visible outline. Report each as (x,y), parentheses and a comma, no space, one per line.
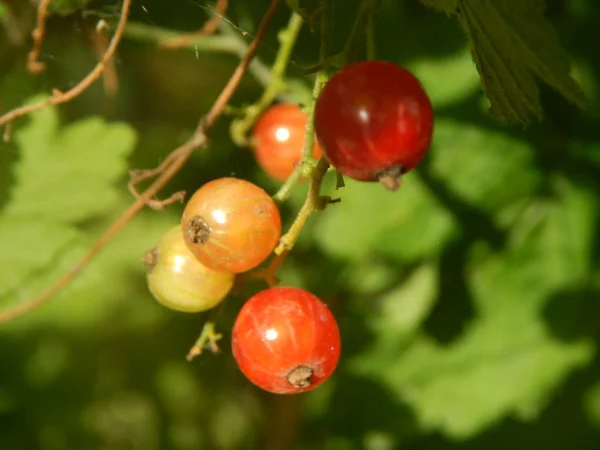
(68,174)
(64,176)
(306,8)
(486,169)
(405,225)
(507,362)
(512,43)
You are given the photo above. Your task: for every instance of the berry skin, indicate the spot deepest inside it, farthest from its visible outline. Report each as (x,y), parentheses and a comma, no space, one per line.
(374,121)
(279,140)
(285,340)
(231,225)
(179,281)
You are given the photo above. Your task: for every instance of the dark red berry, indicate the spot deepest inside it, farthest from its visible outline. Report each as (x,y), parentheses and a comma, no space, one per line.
(374,121)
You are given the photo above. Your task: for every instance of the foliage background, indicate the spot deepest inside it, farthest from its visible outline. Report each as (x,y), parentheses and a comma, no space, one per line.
(468,301)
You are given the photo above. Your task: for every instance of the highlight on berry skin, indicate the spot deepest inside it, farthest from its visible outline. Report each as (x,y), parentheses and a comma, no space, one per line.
(231,225)
(285,340)
(179,281)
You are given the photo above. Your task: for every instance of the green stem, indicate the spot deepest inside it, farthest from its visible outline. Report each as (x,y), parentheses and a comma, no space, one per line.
(314,202)
(309,135)
(227,42)
(363,19)
(309,142)
(287,40)
(208,339)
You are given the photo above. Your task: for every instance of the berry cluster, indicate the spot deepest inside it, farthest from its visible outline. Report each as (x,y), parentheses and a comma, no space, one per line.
(373,122)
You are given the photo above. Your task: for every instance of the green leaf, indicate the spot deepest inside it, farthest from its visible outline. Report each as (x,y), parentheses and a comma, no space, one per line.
(507,361)
(110,291)
(68,174)
(592,404)
(405,225)
(512,43)
(3,10)
(28,247)
(458,82)
(64,176)
(403,309)
(486,169)
(306,8)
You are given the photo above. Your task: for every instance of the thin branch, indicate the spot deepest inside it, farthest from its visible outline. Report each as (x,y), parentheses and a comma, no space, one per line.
(309,142)
(210,27)
(309,135)
(287,39)
(33,63)
(63,97)
(197,140)
(228,41)
(314,202)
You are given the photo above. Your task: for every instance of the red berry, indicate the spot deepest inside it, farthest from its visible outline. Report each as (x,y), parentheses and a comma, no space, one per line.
(374,121)
(279,140)
(231,225)
(285,340)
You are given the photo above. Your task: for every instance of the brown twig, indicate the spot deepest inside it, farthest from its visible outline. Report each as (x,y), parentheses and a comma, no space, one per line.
(59,97)
(184,152)
(33,63)
(210,26)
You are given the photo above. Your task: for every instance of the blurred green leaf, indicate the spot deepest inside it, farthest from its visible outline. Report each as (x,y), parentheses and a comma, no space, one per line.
(29,246)
(592,403)
(60,170)
(64,176)
(3,10)
(405,225)
(459,81)
(487,169)
(507,362)
(403,309)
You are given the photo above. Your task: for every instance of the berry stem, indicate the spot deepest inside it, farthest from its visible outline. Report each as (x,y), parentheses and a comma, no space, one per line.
(287,39)
(370,29)
(314,202)
(309,135)
(208,339)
